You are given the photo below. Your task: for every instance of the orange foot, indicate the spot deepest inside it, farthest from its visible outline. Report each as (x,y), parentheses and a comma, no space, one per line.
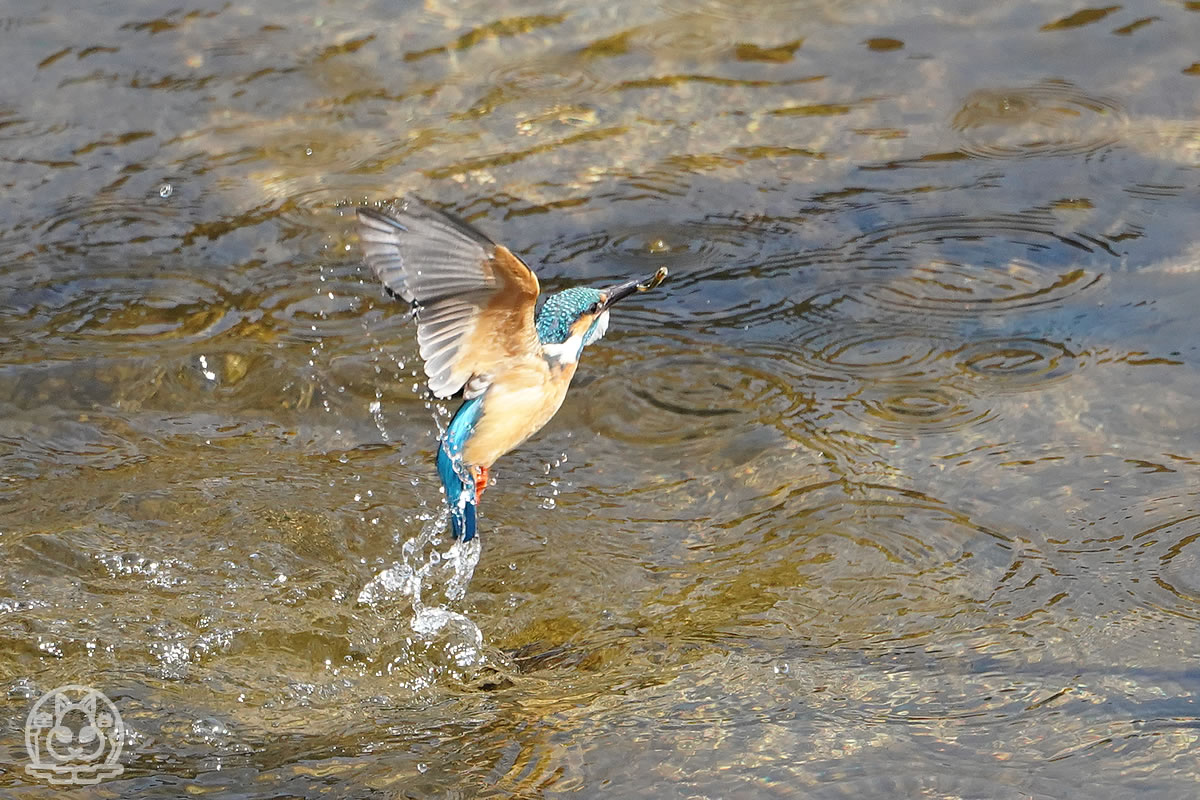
(481,481)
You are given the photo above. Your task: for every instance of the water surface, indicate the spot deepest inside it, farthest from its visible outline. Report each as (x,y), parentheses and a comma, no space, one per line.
(891,490)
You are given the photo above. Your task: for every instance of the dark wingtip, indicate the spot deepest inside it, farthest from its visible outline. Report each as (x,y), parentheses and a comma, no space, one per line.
(382,214)
(414,208)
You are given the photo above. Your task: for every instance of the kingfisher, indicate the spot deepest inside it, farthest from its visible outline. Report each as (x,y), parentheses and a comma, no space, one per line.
(480,334)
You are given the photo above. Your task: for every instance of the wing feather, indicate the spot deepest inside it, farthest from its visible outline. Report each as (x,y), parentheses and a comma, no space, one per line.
(474,299)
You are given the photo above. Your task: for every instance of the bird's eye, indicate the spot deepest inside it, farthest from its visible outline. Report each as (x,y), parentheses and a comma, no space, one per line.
(594,308)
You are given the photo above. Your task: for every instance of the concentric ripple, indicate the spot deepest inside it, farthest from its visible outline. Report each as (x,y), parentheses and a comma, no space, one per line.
(559,78)
(306,315)
(107,219)
(685,248)
(1053,118)
(302,211)
(910,407)
(857,350)
(1154,556)
(673,245)
(1016,364)
(892,380)
(964,266)
(1178,573)
(553,83)
(964,289)
(123,308)
(674,399)
(877,561)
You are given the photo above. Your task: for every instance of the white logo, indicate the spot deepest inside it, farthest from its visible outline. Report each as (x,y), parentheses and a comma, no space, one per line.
(73,735)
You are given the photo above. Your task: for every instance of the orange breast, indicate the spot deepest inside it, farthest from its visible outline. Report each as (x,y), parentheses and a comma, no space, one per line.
(521,400)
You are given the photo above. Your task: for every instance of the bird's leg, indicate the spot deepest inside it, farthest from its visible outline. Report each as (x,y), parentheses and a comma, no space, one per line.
(481,481)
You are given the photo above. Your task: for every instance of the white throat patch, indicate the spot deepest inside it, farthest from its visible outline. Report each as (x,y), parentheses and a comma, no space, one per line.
(565,353)
(568,352)
(598,329)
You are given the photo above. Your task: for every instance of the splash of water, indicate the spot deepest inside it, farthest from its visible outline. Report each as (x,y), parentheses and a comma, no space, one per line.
(432,579)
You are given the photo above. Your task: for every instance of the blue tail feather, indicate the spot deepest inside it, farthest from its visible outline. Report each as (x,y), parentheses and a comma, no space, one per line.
(456,476)
(460,493)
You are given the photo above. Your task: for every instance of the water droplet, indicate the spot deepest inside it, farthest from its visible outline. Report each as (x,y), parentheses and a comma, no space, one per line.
(209,729)
(548,503)
(165,190)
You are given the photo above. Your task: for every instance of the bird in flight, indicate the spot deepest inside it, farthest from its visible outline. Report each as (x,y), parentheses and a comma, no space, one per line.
(480,334)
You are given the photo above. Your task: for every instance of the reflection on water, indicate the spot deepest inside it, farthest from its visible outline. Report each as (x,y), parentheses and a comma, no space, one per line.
(891,493)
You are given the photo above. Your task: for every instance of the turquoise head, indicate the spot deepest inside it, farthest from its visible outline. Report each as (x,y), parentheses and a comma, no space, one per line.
(569,312)
(574,318)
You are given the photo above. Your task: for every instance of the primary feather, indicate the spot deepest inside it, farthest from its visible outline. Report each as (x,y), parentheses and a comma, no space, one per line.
(474,300)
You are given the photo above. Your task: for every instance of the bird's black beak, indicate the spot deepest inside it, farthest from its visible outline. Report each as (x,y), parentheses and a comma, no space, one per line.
(623,290)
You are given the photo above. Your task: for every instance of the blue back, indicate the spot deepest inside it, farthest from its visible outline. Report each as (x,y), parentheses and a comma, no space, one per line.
(456,476)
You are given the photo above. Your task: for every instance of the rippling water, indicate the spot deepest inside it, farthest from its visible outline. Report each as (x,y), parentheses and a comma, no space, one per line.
(890,491)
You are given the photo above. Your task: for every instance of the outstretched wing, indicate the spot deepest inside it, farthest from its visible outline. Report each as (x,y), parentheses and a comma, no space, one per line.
(474,299)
